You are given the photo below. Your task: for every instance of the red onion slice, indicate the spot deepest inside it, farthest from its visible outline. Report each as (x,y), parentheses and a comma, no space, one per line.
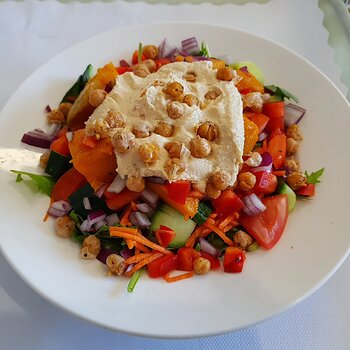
(55,212)
(126,253)
(48,109)
(62,206)
(85,226)
(263,136)
(100,191)
(37,138)
(144,208)
(265,165)
(99,224)
(253,205)
(117,185)
(96,216)
(150,197)
(129,268)
(54,128)
(104,254)
(86,203)
(112,219)
(208,248)
(190,45)
(139,219)
(166,49)
(123,63)
(227,58)
(69,136)
(293,114)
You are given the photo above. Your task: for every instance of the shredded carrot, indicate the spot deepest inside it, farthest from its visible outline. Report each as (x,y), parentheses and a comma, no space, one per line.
(141,247)
(142,263)
(137,251)
(194,236)
(130,243)
(229,227)
(131,230)
(206,232)
(125,218)
(138,238)
(47,213)
(223,223)
(133,206)
(264,145)
(196,194)
(279,172)
(137,257)
(213,215)
(219,233)
(183,276)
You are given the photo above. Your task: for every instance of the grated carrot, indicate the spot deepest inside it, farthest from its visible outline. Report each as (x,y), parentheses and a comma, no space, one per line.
(129,243)
(279,173)
(194,236)
(137,257)
(219,233)
(183,276)
(125,218)
(142,263)
(141,247)
(47,213)
(131,230)
(133,206)
(137,251)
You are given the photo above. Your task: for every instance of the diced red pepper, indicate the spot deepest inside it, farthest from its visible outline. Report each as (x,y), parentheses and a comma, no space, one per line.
(122,70)
(117,201)
(277,147)
(234,259)
(266,182)
(186,257)
(227,203)
(259,119)
(164,235)
(274,109)
(60,145)
(161,266)
(214,261)
(178,191)
(307,191)
(161,62)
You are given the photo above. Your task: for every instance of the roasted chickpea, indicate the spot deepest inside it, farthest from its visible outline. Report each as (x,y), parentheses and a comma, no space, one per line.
(65,226)
(200,147)
(201,266)
(190,77)
(175,109)
(122,140)
(148,153)
(90,248)
(296,180)
(225,74)
(150,51)
(174,167)
(55,117)
(65,107)
(151,65)
(211,190)
(246,181)
(242,239)
(141,130)
(292,146)
(96,97)
(211,95)
(292,164)
(97,127)
(174,89)
(174,149)
(135,183)
(254,160)
(208,131)
(190,100)
(116,264)
(204,104)
(44,159)
(221,179)
(141,70)
(114,120)
(164,129)
(294,132)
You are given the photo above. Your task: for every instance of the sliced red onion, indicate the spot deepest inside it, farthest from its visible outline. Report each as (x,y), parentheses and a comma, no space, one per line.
(265,165)
(62,205)
(190,45)
(69,136)
(207,247)
(123,63)
(144,208)
(117,185)
(48,109)
(139,219)
(126,253)
(244,69)
(183,53)
(201,58)
(150,197)
(55,212)
(100,191)
(129,268)
(54,128)
(37,138)
(96,216)
(263,136)
(99,224)
(112,219)
(104,254)
(156,180)
(85,226)
(253,205)
(293,114)
(166,49)
(227,58)
(86,203)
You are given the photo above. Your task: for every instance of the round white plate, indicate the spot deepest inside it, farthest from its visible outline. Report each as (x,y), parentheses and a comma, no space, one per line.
(313,246)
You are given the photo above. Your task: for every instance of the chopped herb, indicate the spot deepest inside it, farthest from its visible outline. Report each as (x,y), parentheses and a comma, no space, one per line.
(204,51)
(139,56)
(198,247)
(313,178)
(134,279)
(44,183)
(281,93)
(76,218)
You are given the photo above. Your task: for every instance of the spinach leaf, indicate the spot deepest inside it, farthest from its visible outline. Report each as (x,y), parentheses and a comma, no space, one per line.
(313,178)
(281,93)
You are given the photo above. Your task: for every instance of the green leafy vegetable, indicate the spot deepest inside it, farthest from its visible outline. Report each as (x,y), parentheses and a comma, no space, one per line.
(139,55)
(204,211)
(134,279)
(57,165)
(313,178)
(204,51)
(44,183)
(280,93)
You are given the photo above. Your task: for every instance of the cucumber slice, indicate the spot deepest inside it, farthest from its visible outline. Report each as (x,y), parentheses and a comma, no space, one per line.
(204,211)
(252,68)
(292,198)
(168,216)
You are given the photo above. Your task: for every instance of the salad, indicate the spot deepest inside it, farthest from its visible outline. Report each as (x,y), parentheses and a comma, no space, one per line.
(175,163)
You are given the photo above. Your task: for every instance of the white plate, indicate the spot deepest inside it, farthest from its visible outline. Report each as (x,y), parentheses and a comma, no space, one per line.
(313,246)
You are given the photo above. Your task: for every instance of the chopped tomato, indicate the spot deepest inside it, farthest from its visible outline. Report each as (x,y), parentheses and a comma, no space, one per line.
(178,191)
(277,147)
(161,266)
(161,62)
(135,57)
(67,184)
(257,118)
(164,235)
(274,109)
(307,191)
(267,227)
(234,259)
(185,258)
(266,182)
(214,261)
(117,201)
(227,203)
(122,70)
(275,132)
(275,123)
(60,145)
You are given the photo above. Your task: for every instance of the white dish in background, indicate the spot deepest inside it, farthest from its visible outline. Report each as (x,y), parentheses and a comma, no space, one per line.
(313,246)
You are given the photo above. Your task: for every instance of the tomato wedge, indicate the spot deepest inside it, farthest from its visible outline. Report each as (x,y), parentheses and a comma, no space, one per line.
(185,258)
(307,191)
(161,266)
(227,203)
(267,227)
(266,182)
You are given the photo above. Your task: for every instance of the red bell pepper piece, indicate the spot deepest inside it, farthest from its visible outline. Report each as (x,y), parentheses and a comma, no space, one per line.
(178,191)
(161,62)
(117,201)
(277,147)
(274,109)
(214,261)
(259,119)
(185,258)
(135,57)
(122,70)
(227,203)
(234,259)
(164,235)
(266,182)
(161,266)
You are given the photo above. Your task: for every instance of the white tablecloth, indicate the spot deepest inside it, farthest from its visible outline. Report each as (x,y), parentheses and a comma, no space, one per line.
(33,31)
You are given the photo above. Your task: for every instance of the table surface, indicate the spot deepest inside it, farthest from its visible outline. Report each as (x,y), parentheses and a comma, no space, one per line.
(43,29)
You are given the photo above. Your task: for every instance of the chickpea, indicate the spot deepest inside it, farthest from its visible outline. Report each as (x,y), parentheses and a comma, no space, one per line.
(90,248)
(190,77)
(294,132)
(208,131)
(212,191)
(292,164)
(201,266)
(148,153)
(292,146)
(96,97)
(211,95)
(141,130)
(174,167)
(242,239)
(55,117)
(254,160)
(64,108)
(158,83)
(190,100)
(116,264)
(64,226)
(97,127)
(135,183)
(200,147)
(114,120)
(174,149)
(122,140)
(141,70)
(175,109)
(164,129)
(246,181)
(151,65)
(204,104)
(221,179)
(150,51)
(44,159)
(174,89)
(225,74)
(296,180)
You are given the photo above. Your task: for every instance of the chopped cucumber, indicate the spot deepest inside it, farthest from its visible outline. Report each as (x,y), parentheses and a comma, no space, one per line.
(204,211)
(57,165)
(292,198)
(168,216)
(252,68)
